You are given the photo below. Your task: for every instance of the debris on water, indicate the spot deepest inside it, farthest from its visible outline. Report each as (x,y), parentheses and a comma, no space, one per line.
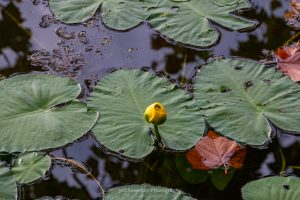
(89,48)
(47,20)
(91,22)
(213,58)
(59,61)
(91,82)
(98,50)
(37,2)
(106,41)
(62,33)
(82,37)
(132,50)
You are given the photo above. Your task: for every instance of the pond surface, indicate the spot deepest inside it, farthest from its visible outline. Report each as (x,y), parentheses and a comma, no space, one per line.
(33,41)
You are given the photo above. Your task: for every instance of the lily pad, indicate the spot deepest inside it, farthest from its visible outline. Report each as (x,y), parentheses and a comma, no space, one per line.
(30,166)
(8,186)
(189,22)
(239,97)
(185,21)
(123,96)
(224,2)
(275,188)
(40,112)
(117,14)
(123,15)
(145,192)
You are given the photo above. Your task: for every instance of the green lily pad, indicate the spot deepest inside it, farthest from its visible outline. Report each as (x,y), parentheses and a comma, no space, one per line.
(117,14)
(145,192)
(224,2)
(123,96)
(123,15)
(188,22)
(185,21)
(238,97)
(40,112)
(8,186)
(30,166)
(275,188)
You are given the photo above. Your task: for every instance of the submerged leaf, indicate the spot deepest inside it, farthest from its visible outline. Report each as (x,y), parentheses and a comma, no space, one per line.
(41,111)
(121,98)
(275,188)
(214,151)
(195,176)
(188,173)
(240,97)
(30,166)
(221,180)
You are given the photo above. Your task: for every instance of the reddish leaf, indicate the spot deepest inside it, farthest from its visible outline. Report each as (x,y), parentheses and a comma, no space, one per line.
(292,15)
(282,54)
(288,60)
(214,151)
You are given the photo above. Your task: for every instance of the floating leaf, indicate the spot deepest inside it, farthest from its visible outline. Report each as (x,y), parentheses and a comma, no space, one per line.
(189,22)
(117,14)
(40,112)
(224,2)
(238,97)
(214,151)
(30,166)
(275,188)
(123,96)
(292,15)
(145,192)
(8,186)
(288,59)
(123,15)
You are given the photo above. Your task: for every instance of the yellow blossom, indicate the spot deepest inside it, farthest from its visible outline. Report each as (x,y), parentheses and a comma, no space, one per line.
(155,114)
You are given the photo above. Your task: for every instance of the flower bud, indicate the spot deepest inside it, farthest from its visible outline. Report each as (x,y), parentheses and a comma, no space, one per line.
(155,114)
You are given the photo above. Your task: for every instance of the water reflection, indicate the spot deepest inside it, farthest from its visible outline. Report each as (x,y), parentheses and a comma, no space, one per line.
(14,40)
(102,50)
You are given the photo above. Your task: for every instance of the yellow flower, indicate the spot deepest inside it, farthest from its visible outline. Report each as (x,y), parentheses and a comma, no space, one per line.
(155,114)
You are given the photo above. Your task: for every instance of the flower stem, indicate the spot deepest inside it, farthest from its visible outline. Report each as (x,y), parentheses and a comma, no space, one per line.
(294,167)
(292,39)
(283,161)
(158,138)
(83,170)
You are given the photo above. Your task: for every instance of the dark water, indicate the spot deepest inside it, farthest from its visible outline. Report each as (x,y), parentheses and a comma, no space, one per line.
(32,41)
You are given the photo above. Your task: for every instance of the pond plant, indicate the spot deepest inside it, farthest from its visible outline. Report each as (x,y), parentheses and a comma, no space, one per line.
(235,103)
